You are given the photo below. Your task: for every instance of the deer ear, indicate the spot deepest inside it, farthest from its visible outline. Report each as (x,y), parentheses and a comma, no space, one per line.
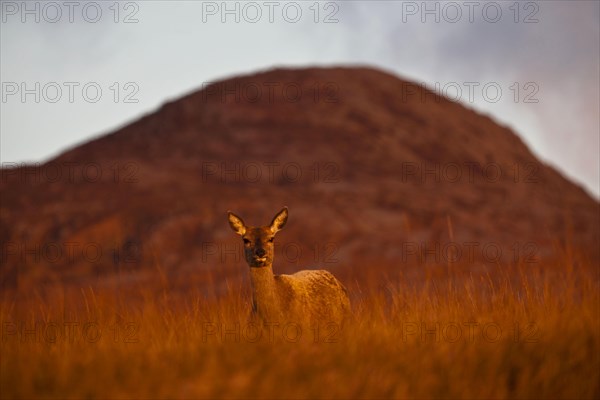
(236,223)
(279,221)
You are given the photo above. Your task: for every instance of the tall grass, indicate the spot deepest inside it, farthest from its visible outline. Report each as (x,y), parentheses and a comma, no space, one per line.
(515,331)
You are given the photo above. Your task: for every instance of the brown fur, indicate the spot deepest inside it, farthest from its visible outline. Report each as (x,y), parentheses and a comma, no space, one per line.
(314,297)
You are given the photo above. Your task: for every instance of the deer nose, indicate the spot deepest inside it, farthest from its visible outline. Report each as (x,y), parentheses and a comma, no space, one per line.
(260,252)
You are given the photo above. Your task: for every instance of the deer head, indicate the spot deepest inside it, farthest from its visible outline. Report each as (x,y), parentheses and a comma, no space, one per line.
(259,246)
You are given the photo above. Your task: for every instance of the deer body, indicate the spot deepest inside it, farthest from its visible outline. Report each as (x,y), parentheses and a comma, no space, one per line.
(314,297)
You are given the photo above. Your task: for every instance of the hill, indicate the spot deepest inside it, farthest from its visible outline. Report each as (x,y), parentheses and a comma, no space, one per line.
(378,173)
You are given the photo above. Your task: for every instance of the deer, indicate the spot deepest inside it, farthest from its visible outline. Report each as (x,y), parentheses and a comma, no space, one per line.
(313,297)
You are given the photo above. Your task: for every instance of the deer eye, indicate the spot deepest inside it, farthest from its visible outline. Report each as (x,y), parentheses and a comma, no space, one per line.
(246,241)
(271,240)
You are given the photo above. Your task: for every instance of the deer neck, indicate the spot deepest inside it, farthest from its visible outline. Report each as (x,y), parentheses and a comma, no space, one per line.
(264,296)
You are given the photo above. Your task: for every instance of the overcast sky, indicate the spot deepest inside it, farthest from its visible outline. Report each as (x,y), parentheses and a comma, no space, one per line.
(95,66)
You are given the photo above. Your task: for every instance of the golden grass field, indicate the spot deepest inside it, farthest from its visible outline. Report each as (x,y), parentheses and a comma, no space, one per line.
(512,331)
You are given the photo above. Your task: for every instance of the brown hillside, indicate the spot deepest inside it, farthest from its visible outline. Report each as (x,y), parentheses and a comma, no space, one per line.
(375,170)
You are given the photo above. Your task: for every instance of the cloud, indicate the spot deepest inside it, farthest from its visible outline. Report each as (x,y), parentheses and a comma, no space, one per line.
(171,50)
